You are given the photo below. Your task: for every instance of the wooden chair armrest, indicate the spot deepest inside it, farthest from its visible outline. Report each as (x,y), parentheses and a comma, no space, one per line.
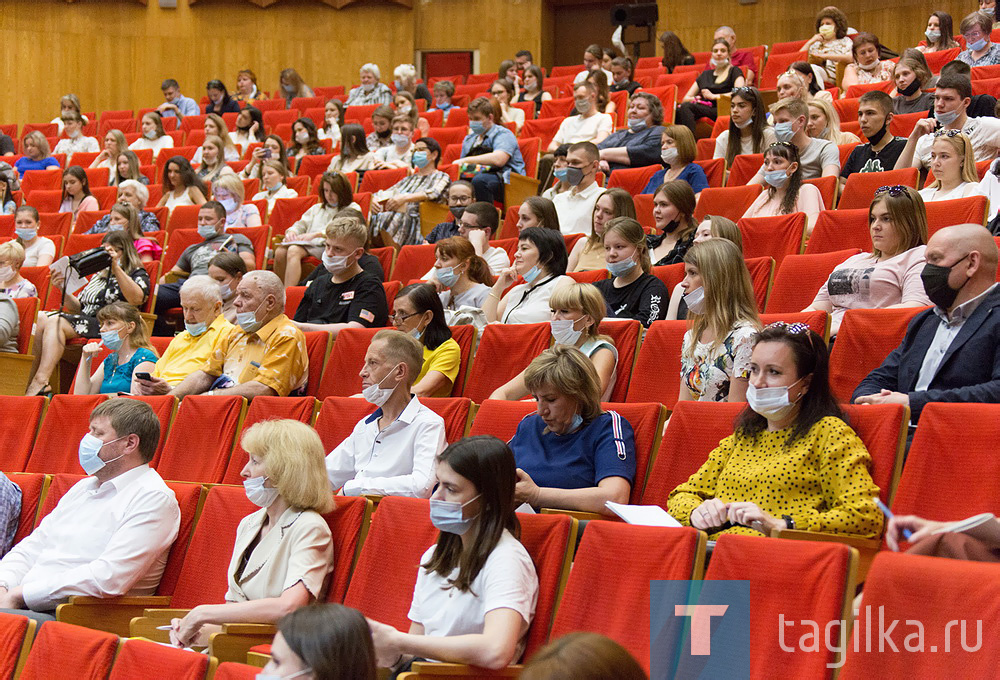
(374,498)
(112,614)
(579,514)
(15,371)
(171,277)
(145,601)
(236,640)
(257,659)
(249,628)
(519,188)
(147,624)
(859,542)
(425,669)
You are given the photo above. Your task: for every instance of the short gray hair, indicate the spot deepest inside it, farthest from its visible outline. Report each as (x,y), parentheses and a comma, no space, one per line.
(373,69)
(405,71)
(269,283)
(203,286)
(140,190)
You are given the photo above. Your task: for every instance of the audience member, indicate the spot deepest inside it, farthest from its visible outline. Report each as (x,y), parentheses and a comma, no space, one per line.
(532,91)
(573,305)
(638,144)
(333,118)
(600,82)
(125,280)
(748,130)
(227,268)
(355,156)
(817,157)
(305,142)
(910,77)
(868,66)
(419,312)
(583,656)
(883,148)
(674,52)
(588,253)
(556,173)
(181,186)
(948,353)
(110,533)
(444,90)
(37,154)
(246,87)
(673,222)
(406,81)
(114,145)
(939,33)
(954,168)
(677,152)
(575,207)
(219,99)
(39,251)
(395,212)
(793,462)
(979,51)
(723,320)
(631,292)
(370,91)
(68,104)
(591,458)
(127,168)
(153,138)
(390,452)
(593,60)
(175,104)
(623,72)
(76,194)
(283,552)
(8,180)
(830,42)
(478,224)
(249,127)
(743,59)
(711,226)
(399,154)
(588,124)
(502,91)
(491,145)
(133,194)
(786,193)
(890,275)
(124,333)
(701,100)
(228,191)
(75,140)
(10,324)
(12,284)
(291,86)
(273,175)
(464,276)
(824,123)
(813,77)
(10,513)
(540,260)
(459,198)
(341,294)
(792,85)
(329,640)
(537,211)
(476,588)
(213,161)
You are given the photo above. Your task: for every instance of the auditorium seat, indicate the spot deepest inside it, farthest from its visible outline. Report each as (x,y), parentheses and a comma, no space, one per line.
(504,351)
(340,376)
(287,211)
(318,345)
(466,336)
(145,659)
(66,420)
(302,409)
(609,594)
(656,376)
(18,429)
(212,421)
(337,417)
(165,408)
(632,180)
(860,188)
(377,180)
(799,278)
(730,201)
(840,229)
(626,335)
(236,671)
(972,210)
(761,270)
(412,262)
(33,486)
(16,635)
(777,237)
(743,169)
(63,650)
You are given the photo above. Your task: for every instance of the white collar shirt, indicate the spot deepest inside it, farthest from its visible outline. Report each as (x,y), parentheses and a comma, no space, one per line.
(395,461)
(101,540)
(945,334)
(576,209)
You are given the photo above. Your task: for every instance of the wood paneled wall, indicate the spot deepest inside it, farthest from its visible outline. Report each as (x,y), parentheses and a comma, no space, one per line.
(114,54)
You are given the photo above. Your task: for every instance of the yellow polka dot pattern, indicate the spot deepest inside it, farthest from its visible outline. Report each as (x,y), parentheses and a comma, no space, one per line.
(822,480)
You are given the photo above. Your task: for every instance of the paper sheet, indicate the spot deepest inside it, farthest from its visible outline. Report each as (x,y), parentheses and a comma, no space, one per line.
(647,515)
(74,281)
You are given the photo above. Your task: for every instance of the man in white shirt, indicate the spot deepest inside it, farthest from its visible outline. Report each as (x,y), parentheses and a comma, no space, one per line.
(588,125)
(952,97)
(110,534)
(576,206)
(392,451)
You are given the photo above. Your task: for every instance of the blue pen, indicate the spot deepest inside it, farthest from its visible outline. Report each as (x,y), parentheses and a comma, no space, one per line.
(888,514)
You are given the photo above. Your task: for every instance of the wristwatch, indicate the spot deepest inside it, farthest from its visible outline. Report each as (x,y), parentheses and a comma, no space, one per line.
(789,522)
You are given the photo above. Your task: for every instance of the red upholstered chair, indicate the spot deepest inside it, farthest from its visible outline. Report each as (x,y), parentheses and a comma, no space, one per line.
(744,168)
(337,417)
(866,338)
(859,190)
(263,408)
(799,278)
(212,421)
(376,180)
(66,420)
(165,408)
(340,377)
(715,170)
(632,180)
(412,262)
(957,211)
(839,230)
(16,635)
(883,429)
(18,433)
(62,650)
(937,593)
(730,201)
(504,351)
(32,485)
(142,658)
(500,418)
(615,601)
(799,580)
(777,236)
(236,671)
(626,334)
(656,376)
(465,335)
(287,211)
(647,425)
(456,412)
(761,270)
(318,344)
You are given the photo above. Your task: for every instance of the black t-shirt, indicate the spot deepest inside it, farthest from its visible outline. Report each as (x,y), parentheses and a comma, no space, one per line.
(862,159)
(360,299)
(370,264)
(630,86)
(645,299)
(706,81)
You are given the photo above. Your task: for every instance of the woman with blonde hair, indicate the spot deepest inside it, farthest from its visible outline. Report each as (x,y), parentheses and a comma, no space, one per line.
(710,227)
(114,145)
(953,163)
(588,253)
(213,162)
(68,104)
(632,292)
(273,176)
(12,284)
(722,321)
(215,126)
(153,136)
(824,123)
(673,222)
(791,85)
(37,154)
(291,85)
(577,310)
(465,277)
(889,276)
(123,331)
(284,551)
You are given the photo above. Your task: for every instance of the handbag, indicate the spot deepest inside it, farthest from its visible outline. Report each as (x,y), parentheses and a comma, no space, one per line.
(90,261)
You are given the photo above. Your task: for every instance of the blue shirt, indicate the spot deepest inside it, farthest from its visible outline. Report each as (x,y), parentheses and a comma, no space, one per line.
(119,378)
(186,105)
(498,138)
(692,174)
(604,447)
(24,164)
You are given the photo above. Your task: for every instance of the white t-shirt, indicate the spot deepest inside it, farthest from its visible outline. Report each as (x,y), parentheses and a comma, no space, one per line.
(507,581)
(984,133)
(963,190)
(579,129)
(390,154)
(156,145)
(41,246)
(473,297)
(576,209)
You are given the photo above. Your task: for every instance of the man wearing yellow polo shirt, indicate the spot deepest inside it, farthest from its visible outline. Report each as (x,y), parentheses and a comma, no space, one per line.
(204,326)
(264,355)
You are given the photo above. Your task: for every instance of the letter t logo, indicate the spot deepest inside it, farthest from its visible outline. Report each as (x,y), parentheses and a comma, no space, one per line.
(701,624)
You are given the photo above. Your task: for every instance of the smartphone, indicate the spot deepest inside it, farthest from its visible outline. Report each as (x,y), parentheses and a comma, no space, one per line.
(267,154)
(143,376)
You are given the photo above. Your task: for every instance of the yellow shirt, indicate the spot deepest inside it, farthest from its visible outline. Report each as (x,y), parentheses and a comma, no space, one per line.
(821,480)
(275,355)
(446,359)
(186,354)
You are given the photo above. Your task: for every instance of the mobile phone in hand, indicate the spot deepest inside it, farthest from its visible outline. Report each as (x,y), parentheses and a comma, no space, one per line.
(143,376)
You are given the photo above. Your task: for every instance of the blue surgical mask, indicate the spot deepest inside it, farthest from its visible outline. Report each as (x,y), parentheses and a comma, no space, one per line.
(420,159)
(89,453)
(560,173)
(978,45)
(151,134)
(776,178)
(575,422)
(622,267)
(26,234)
(288,88)
(531,274)
(225,291)
(947,117)
(477,127)
(783,132)
(447,516)
(636,124)
(195,329)
(228,203)
(248,320)
(447,276)
(111,340)
(207,231)
(416,333)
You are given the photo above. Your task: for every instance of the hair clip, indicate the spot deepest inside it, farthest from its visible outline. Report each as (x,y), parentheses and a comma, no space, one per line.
(793,328)
(947,133)
(893,190)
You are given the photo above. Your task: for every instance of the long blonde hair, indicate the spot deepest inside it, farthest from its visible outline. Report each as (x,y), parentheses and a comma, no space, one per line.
(962,146)
(833,132)
(729,297)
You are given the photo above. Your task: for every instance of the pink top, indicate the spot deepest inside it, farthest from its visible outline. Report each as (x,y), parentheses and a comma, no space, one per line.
(810,202)
(859,282)
(88,203)
(145,245)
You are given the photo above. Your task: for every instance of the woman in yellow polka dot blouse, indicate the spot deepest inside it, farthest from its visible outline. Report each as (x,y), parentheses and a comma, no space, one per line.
(792,462)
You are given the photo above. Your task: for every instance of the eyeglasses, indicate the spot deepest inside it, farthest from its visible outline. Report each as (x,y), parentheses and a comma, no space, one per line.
(947,133)
(398,318)
(743,90)
(793,328)
(893,190)
(787,145)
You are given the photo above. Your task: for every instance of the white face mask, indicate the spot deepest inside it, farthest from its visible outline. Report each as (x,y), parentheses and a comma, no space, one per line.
(257,493)
(669,155)
(740,126)
(302,137)
(771,402)
(335,263)
(563,332)
(376,394)
(695,300)
(6,274)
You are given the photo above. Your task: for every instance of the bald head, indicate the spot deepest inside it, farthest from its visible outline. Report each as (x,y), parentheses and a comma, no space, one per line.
(971,253)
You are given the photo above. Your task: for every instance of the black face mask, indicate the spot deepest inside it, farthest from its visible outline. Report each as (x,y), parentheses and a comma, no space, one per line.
(384,134)
(911,88)
(244,128)
(877,137)
(935,280)
(457,211)
(671,227)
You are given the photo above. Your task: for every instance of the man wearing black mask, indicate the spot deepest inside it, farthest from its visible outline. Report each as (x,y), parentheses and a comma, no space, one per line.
(883,149)
(460,196)
(951,352)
